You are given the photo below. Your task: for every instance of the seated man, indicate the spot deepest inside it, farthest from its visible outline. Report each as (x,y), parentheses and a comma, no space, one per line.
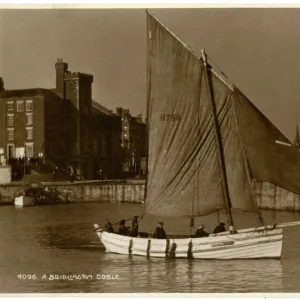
(135,227)
(159,231)
(220,228)
(109,228)
(123,230)
(200,232)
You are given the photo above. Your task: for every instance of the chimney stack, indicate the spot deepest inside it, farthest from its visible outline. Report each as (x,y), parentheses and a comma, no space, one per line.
(61,68)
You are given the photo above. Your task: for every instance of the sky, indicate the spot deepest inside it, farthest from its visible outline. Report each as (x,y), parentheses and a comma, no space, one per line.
(257,48)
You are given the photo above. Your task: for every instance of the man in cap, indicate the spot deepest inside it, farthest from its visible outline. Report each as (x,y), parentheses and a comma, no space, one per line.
(134,227)
(200,232)
(220,228)
(159,231)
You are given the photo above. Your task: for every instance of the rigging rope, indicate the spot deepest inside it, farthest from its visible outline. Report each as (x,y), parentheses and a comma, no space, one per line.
(116,223)
(192,223)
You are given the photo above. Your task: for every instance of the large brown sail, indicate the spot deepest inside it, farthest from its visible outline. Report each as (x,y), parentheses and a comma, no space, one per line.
(183,175)
(270,154)
(183,171)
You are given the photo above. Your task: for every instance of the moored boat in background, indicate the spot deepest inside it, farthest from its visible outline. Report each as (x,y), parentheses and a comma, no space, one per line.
(23,200)
(35,193)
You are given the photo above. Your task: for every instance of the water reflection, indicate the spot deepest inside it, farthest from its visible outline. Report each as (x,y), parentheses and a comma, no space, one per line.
(48,240)
(68,236)
(221,276)
(163,275)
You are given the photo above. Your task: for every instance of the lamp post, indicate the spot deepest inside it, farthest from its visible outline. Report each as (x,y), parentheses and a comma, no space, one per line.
(41,156)
(24,168)
(100,172)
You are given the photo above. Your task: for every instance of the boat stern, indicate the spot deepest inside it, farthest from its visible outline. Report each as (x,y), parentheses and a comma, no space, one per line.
(24,201)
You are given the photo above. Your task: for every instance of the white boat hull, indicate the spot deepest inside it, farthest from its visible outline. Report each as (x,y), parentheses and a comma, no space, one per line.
(247,244)
(24,201)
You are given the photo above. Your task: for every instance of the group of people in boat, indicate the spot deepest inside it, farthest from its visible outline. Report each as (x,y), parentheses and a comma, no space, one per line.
(200,232)
(133,231)
(159,233)
(123,229)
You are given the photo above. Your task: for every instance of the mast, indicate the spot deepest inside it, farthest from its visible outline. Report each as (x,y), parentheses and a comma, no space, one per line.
(148,91)
(220,150)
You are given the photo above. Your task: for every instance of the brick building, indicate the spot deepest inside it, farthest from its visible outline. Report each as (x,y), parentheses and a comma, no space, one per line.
(63,126)
(133,142)
(25,122)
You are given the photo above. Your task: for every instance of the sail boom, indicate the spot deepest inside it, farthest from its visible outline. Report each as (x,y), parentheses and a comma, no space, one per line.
(283,143)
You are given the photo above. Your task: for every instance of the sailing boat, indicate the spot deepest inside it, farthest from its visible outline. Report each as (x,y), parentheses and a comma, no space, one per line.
(209,148)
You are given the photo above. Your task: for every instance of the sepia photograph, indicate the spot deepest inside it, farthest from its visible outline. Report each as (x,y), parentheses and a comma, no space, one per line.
(149,150)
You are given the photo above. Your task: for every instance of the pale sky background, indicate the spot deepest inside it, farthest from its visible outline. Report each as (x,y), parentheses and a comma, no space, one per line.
(258,49)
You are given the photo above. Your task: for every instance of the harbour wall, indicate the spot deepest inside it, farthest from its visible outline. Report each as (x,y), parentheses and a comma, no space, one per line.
(87,191)
(268,196)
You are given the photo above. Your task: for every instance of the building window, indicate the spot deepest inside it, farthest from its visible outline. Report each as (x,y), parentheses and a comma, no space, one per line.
(20,152)
(10,105)
(11,134)
(29,149)
(29,105)
(20,105)
(10,120)
(29,120)
(29,133)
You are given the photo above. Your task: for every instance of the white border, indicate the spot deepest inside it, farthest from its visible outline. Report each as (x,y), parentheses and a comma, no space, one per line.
(144,296)
(79,4)
(96,4)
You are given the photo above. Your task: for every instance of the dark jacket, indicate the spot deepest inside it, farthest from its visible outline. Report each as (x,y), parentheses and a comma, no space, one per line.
(201,233)
(134,228)
(123,230)
(219,229)
(159,233)
(109,228)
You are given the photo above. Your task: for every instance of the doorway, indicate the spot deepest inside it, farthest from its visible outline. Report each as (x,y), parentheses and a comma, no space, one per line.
(11,150)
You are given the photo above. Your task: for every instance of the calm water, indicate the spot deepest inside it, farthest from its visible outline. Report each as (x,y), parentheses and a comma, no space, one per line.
(59,240)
